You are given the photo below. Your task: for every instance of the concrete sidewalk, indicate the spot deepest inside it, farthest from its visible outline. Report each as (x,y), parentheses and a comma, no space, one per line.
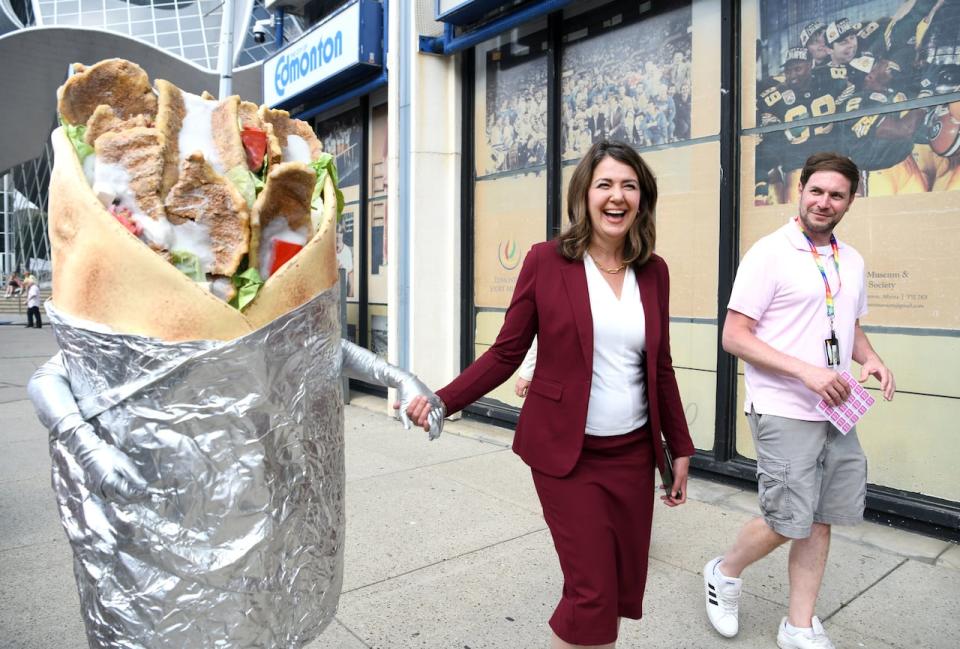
(447,549)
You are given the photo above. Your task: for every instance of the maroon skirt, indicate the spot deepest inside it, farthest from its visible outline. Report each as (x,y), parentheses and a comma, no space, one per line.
(599,515)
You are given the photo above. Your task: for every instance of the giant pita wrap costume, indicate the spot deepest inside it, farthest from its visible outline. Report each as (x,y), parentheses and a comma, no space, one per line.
(198,452)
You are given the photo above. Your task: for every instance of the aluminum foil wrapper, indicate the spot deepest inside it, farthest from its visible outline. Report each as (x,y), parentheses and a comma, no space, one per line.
(241,442)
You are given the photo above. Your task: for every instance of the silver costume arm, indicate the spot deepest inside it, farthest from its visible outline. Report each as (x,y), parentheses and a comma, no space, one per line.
(360,363)
(108,472)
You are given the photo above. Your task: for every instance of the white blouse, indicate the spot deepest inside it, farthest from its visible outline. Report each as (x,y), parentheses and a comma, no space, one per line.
(618,397)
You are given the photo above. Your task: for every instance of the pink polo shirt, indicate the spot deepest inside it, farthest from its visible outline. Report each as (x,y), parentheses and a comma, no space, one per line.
(778,285)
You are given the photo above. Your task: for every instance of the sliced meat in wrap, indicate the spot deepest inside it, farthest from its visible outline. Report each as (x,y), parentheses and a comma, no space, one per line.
(215,213)
(128,173)
(207,126)
(104,274)
(180,173)
(170,113)
(120,84)
(298,142)
(281,212)
(300,279)
(249,114)
(104,119)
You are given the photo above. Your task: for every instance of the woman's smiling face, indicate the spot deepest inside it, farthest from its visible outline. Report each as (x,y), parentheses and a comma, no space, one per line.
(613,201)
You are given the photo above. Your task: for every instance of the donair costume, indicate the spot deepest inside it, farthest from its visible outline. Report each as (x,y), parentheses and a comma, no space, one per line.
(201,484)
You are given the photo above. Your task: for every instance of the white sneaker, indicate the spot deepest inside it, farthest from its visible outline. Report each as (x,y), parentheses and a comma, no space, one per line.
(815,638)
(723,599)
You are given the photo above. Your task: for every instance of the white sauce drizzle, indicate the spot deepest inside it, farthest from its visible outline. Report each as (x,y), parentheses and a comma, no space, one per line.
(221,287)
(196,134)
(112,184)
(277,229)
(194,237)
(297,150)
(89,168)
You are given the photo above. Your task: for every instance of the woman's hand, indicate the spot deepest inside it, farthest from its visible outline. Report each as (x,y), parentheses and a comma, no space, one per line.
(521,387)
(677,492)
(426,412)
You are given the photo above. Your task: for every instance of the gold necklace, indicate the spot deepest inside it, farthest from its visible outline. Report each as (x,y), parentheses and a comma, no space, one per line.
(612,271)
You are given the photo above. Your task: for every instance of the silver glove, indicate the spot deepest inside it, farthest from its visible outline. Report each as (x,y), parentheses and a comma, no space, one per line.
(360,363)
(108,472)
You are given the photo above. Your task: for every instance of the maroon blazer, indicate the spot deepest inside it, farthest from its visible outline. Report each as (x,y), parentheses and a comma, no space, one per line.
(551,301)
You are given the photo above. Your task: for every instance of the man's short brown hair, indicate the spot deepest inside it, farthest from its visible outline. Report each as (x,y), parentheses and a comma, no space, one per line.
(830,161)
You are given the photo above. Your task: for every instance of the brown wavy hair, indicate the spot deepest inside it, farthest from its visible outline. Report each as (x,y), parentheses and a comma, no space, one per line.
(642,236)
(830,161)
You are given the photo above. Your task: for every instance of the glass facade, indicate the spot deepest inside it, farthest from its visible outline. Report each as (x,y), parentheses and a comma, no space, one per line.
(882,88)
(637,73)
(878,80)
(188,29)
(24,243)
(510,199)
(342,136)
(361,233)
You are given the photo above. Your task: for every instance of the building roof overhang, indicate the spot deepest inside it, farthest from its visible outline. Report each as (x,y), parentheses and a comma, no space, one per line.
(36,61)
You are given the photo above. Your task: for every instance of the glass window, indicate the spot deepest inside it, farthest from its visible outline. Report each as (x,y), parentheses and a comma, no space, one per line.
(511,90)
(377,214)
(192,37)
(627,76)
(63,7)
(169,42)
(644,73)
(510,211)
(195,53)
(117,20)
(342,137)
(649,74)
(142,29)
(92,18)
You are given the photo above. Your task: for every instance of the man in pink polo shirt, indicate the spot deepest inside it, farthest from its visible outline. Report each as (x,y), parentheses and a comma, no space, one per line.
(794,319)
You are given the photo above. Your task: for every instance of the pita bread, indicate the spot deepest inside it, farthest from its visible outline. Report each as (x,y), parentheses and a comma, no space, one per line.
(104,274)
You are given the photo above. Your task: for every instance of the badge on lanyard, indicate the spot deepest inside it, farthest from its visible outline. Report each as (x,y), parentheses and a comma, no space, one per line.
(831,346)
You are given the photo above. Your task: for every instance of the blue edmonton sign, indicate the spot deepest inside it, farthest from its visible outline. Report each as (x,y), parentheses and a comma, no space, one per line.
(290,67)
(345,45)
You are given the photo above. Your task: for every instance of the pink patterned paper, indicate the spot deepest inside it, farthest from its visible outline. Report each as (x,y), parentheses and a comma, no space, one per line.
(847,414)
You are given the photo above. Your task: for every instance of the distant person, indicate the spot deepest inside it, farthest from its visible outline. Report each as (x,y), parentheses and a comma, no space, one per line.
(841,40)
(794,319)
(345,258)
(14,285)
(33,303)
(812,38)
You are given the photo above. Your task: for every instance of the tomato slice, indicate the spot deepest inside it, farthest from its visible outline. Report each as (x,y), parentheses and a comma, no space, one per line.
(255,146)
(125,217)
(283,251)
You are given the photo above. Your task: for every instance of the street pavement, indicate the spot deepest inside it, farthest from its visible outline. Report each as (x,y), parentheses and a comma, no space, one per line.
(447,549)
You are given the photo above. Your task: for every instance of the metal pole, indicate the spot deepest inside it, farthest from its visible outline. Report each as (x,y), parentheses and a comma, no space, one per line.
(278,29)
(226,49)
(9,260)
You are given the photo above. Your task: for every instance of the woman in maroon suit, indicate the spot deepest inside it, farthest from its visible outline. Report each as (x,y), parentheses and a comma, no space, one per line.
(603,390)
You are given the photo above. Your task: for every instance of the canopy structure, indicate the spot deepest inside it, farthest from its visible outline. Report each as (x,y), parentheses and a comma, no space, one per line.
(36,61)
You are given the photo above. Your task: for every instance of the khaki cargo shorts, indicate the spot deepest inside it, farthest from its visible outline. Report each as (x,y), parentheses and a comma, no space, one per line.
(807,472)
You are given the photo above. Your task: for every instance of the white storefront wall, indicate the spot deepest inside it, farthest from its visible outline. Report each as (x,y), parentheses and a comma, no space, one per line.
(428,196)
